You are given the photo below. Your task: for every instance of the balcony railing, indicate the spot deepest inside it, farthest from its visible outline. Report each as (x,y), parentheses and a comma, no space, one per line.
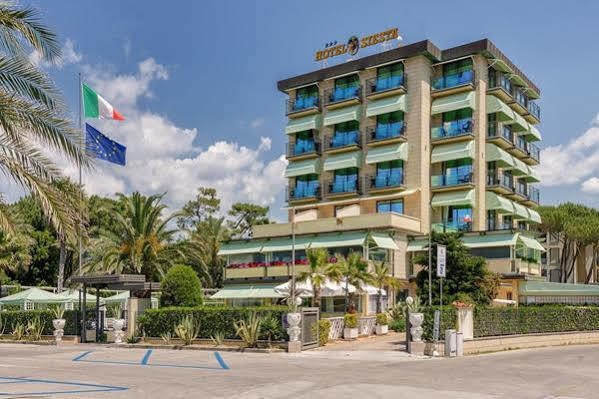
(533,151)
(520,189)
(385,132)
(452,179)
(501,180)
(534,109)
(496,130)
(342,94)
(519,96)
(533,194)
(452,227)
(520,143)
(379,85)
(501,81)
(342,187)
(384,181)
(305,192)
(302,104)
(341,140)
(455,128)
(453,80)
(303,147)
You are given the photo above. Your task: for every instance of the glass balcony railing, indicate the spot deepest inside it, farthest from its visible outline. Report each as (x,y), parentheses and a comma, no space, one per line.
(519,96)
(500,179)
(385,131)
(303,147)
(302,104)
(454,80)
(497,130)
(343,139)
(499,80)
(451,179)
(533,194)
(520,189)
(533,151)
(381,84)
(455,128)
(452,227)
(342,186)
(520,143)
(342,94)
(534,109)
(384,181)
(304,191)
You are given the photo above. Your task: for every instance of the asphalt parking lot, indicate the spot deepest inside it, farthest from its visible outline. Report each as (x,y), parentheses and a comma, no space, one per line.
(87,371)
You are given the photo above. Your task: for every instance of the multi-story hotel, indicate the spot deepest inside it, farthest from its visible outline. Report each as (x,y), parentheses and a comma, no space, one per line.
(383,148)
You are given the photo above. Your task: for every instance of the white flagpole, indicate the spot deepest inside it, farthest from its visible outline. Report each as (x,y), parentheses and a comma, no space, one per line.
(80,180)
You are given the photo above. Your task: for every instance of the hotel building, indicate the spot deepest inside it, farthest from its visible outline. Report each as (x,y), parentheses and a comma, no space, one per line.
(383,148)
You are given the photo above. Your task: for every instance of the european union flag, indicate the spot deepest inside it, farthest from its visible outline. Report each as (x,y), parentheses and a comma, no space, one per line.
(102,147)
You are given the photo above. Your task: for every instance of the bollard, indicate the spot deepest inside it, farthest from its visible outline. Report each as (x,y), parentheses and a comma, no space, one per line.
(450,343)
(459,344)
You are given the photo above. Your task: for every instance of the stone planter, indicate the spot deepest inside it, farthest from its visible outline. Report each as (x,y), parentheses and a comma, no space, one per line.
(294,319)
(58,325)
(416,320)
(381,329)
(350,333)
(117,325)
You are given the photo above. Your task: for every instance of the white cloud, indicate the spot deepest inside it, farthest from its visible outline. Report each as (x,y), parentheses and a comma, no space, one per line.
(69,56)
(591,186)
(256,123)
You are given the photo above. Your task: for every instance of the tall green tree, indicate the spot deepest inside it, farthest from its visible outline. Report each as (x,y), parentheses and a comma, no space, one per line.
(207,240)
(383,279)
(354,270)
(205,205)
(245,216)
(319,271)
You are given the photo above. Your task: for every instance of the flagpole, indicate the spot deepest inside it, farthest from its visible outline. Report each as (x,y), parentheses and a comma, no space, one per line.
(80,180)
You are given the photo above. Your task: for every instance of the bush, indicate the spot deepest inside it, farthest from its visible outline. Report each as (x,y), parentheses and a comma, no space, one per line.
(24,317)
(382,319)
(181,287)
(324,329)
(212,319)
(449,320)
(398,325)
(350,320)
(527,319)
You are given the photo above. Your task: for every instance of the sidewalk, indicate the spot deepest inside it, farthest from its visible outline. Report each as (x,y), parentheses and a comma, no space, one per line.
(390,342)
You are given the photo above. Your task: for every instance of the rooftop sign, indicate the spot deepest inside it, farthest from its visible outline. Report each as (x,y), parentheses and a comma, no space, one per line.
(353,44)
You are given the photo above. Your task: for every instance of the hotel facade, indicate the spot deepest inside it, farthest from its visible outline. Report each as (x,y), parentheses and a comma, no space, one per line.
(384,148)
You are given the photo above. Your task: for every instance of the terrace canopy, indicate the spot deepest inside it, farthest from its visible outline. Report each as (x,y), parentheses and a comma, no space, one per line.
(30,297)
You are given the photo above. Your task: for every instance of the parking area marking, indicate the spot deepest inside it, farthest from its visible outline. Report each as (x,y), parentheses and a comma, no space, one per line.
(82,387)
(145,362)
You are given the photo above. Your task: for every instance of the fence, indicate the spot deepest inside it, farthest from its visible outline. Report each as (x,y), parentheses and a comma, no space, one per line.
(336,331)
(366,325)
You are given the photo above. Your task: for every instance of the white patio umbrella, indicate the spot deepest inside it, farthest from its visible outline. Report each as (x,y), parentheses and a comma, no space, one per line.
(329,288)
(304,288)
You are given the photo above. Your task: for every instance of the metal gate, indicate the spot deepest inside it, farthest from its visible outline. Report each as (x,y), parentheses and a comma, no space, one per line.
(309,328)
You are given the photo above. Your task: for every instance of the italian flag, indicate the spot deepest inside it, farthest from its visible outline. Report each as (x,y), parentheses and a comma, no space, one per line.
(95,106)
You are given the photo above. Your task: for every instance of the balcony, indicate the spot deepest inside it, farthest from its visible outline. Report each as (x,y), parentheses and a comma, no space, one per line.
(386,134)
(263,269)
(299,107)
(385,183)
(519,149)
(520,193)
(500,87)
(342,188)
(452,227)
(534,112)
(458,130)
(452,84)
(533,196)
(342,142)
(452,181)
(533,154)
(500,135)
(303,194)
(303,149)
(500,183)
(341,97)
(384,87)
(519,101)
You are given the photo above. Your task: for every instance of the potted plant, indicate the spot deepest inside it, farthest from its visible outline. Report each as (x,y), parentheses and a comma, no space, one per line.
(293,319)
(382,324)
(416,318)
(350,328)
(117,323)
(58,322)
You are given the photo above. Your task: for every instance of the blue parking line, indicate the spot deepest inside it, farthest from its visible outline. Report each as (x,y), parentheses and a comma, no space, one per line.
(101,388)
(146,357)
(81,356)
(220,361)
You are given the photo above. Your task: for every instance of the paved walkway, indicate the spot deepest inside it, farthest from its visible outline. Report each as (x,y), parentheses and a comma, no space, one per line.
(390,342)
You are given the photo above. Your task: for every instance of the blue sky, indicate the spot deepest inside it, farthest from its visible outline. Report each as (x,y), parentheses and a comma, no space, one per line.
(212,79)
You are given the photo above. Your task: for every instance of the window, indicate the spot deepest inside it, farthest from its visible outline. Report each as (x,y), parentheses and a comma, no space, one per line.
(506,132)
(389,77)
(491,252)
(306,97)
(304,142)
(491,125)
(346,180)
(246,260)
(395,206)
(457,171)
(346,133)
(522,225)
(306,186)
(508,295)
(455,74)
(491,220)
(29,306)
(346,87)
(285,256)
(389,125)
(460,218)
(389,174)
(508,222)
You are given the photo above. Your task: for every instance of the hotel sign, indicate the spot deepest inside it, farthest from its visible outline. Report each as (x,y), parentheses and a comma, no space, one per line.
(353,44)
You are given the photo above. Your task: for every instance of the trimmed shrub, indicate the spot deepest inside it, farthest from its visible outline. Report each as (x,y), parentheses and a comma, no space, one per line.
(382,319)
(350,320)
(212,319)
(11,318)
(398,325)
(449,320)
(181,286)
(324,329)
(527,319)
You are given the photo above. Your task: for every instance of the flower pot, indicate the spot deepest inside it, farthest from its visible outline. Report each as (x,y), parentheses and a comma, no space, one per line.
(350,333)
(382,329)
(58,324)
(117,325)
(416,320)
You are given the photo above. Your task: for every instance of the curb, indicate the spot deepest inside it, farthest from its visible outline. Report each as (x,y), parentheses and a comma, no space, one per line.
(199,348)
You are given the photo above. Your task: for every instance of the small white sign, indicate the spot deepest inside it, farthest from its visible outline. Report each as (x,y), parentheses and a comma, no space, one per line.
(441,260)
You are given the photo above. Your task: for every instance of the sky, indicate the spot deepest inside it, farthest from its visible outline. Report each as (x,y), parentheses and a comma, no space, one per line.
(196,81)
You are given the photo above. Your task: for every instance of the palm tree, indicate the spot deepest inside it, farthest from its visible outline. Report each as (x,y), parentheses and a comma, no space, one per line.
(319,271)
(207,238)
(382,279)
(354,270)
(141,241)
(33,120)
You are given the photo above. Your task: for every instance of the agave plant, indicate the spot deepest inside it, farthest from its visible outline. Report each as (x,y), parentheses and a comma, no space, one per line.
(18,331)
(249,330)
(218,338)
(35,329)
(187,330)
(167,337)
(57,311)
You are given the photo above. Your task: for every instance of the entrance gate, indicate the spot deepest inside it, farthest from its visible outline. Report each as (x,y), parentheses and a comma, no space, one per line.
(310,328)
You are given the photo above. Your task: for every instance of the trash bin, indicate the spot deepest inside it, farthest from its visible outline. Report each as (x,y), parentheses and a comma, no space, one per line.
(459,344)
(450,343)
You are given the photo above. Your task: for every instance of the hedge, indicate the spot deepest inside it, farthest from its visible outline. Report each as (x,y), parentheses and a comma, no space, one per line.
(449,320)
(534,319)
(11,318)
(212,319)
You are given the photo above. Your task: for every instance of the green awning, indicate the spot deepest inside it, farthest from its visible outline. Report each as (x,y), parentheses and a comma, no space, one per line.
(463,197)
(533,216)
(500,65)
(284,244)
(387,153)
(496,154)
(490,240)
(247,291)
(532,133)
(31,295)
(305,167)
(417,245)
(345,160)
(386,105)
(544,288)
(300,124)
(340,115)
(520,211)
(531,243)
(121,297)
(338,240)
(532,176)
(518,123)
(531,93)
(73,296)
(520,168)
(384,240)
(498,203)
(240,247)
(517,79)
(449,152)
(453,102)
(503,111)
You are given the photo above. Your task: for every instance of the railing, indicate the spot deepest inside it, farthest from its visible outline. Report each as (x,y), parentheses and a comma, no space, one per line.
(453,80)
(388,181)
(345,139)
(366,325)
(520,189)
(452,179)
(533,151)
(301,104)
(534,109)
(495,130)
(501,81)
(452,227)
(519,96)
(533,194)
(385,132)
(303,147)
(378,85)
(520,143)
(295,193)
(342,187)
(337,95)
(500,179)
(336,331)
(455,128)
